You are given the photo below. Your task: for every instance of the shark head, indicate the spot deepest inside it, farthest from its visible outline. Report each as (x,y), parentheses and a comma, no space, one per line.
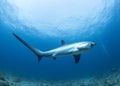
(86,46)
(91,44)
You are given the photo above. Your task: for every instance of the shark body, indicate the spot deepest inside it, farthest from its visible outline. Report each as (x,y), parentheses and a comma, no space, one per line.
(75,49)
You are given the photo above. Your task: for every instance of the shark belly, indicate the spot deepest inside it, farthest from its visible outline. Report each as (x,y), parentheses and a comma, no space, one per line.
(66,52)
(62,51)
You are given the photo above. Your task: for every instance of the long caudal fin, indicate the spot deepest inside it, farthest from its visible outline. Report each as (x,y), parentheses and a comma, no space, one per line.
(34,50)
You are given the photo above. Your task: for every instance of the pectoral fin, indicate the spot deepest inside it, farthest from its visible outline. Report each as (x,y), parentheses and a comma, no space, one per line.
(54,56)
(77,58)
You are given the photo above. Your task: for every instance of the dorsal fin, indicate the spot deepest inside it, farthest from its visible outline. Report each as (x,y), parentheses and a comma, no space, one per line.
(62,42)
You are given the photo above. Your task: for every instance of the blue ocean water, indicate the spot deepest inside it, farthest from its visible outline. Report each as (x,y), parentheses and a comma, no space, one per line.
(16,59)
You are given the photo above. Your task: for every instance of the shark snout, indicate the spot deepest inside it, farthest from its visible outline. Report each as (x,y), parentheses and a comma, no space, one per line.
(93,44)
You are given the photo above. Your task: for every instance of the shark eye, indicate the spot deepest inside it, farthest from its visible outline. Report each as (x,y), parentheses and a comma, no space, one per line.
(90,45)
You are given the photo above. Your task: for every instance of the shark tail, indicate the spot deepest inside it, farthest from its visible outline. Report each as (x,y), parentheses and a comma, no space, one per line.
(37,52)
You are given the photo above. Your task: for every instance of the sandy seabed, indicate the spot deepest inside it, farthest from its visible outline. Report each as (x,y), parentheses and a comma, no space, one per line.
(110,78)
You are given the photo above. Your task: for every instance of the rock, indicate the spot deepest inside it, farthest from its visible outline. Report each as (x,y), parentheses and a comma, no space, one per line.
(110,83)
(3,83)
(2,77)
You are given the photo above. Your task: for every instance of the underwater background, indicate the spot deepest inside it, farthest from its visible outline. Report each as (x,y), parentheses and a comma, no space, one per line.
(43,24)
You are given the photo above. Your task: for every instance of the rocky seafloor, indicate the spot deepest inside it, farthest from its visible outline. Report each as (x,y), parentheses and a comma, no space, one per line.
(110,78)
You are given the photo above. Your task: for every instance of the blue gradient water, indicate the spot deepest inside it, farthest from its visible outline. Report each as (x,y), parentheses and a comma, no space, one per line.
(17,59)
